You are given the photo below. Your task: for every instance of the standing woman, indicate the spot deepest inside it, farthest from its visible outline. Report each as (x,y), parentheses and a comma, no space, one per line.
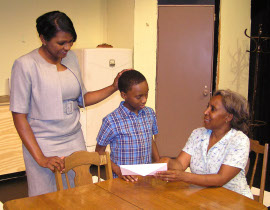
(46,90)
(217,153)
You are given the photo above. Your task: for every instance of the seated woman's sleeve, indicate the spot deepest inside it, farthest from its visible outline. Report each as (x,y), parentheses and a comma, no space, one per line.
(106,133)
(190,145)
(20,91)
(238,151)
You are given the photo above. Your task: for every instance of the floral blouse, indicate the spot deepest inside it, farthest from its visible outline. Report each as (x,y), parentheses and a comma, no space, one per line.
(231,150)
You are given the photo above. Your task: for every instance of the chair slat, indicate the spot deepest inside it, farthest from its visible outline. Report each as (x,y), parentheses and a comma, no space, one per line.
(259,149)
(80,163)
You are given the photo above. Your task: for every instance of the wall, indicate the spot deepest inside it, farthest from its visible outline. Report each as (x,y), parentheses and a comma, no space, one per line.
(96,22)
(18,33)
(145,43)
(233,61)
(120,23)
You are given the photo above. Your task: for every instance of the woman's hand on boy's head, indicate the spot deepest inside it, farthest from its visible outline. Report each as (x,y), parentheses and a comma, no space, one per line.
(115,82)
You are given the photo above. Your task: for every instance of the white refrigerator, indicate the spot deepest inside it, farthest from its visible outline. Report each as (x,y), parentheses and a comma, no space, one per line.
(99,67)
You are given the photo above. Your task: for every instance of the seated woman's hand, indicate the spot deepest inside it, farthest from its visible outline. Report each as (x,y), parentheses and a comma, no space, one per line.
(52,163)
(171,175)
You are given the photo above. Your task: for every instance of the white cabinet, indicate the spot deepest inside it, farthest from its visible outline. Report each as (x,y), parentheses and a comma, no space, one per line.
(99,67)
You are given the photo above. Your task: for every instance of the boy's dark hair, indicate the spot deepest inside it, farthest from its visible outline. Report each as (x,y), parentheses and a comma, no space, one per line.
(52,22)
(128,79)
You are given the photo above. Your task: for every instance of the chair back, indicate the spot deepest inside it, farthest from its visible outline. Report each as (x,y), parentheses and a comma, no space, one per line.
(259,149)
(80,163)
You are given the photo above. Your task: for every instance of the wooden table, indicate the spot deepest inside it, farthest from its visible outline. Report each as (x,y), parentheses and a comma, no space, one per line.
(151,193)
(147,193)
(84,197)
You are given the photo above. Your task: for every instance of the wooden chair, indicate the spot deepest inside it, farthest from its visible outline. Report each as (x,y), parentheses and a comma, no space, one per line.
(80,162)
(259,149)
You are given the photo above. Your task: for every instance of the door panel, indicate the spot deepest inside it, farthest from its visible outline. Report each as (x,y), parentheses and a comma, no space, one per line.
(184,73)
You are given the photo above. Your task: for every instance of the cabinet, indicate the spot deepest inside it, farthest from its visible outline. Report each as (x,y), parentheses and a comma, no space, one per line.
(99,67)
(10,143)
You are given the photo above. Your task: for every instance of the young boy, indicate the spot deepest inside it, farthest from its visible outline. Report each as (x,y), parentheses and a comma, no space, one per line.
(130,128)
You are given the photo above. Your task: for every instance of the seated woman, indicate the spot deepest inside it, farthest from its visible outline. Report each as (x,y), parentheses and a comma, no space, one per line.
(218,152)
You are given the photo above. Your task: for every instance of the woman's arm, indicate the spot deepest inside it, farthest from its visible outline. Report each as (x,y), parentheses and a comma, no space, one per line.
(94,97)
(27,136)
(180,163)
(224,175)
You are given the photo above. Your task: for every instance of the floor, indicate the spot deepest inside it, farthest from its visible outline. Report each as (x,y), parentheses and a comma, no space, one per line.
(13,189)
(17,188)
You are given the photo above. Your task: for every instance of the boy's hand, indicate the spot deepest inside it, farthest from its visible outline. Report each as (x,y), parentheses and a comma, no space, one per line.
(116,169)
(130,178)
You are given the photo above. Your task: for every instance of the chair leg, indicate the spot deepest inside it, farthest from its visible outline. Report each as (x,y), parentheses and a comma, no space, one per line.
(98,173)
(254,171)
(58,180)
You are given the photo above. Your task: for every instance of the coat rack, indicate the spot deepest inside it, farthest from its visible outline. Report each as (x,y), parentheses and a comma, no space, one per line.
(258,40)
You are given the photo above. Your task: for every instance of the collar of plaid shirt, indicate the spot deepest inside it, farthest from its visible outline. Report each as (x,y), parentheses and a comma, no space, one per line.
(126,112)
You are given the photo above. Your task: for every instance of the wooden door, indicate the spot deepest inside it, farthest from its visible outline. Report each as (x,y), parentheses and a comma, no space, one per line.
(184,72)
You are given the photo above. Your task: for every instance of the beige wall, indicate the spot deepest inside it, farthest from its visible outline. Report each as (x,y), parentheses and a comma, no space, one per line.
(145,43)
(90,18)
(18,33)
(111,21)
(233,63)
(120,23)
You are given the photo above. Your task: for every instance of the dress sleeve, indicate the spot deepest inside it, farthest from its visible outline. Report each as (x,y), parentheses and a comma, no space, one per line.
(21,85)
(238,151)
(106,133)
(80,99)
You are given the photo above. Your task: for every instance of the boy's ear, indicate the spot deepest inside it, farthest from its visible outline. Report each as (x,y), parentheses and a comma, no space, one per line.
(42,39)
(123,95)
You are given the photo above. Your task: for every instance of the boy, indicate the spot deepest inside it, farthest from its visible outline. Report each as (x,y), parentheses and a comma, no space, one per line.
(130,128)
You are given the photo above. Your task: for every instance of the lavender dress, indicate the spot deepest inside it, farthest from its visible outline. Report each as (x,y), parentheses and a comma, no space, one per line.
(56,138)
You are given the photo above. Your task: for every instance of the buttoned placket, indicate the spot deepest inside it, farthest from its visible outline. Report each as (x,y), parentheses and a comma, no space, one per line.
(205,154)
(139,133)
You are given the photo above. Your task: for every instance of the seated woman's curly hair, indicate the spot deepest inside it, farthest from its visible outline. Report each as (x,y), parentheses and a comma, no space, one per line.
(237,105)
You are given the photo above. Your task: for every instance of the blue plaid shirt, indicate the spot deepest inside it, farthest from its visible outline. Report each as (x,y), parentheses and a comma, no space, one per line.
(129,135)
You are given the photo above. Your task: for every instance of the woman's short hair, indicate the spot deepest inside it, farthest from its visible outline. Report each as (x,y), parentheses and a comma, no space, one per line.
(236,105)
(52,22)
(128,79)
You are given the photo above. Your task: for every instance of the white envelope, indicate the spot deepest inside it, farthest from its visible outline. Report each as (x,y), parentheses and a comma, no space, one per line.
(143,169)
